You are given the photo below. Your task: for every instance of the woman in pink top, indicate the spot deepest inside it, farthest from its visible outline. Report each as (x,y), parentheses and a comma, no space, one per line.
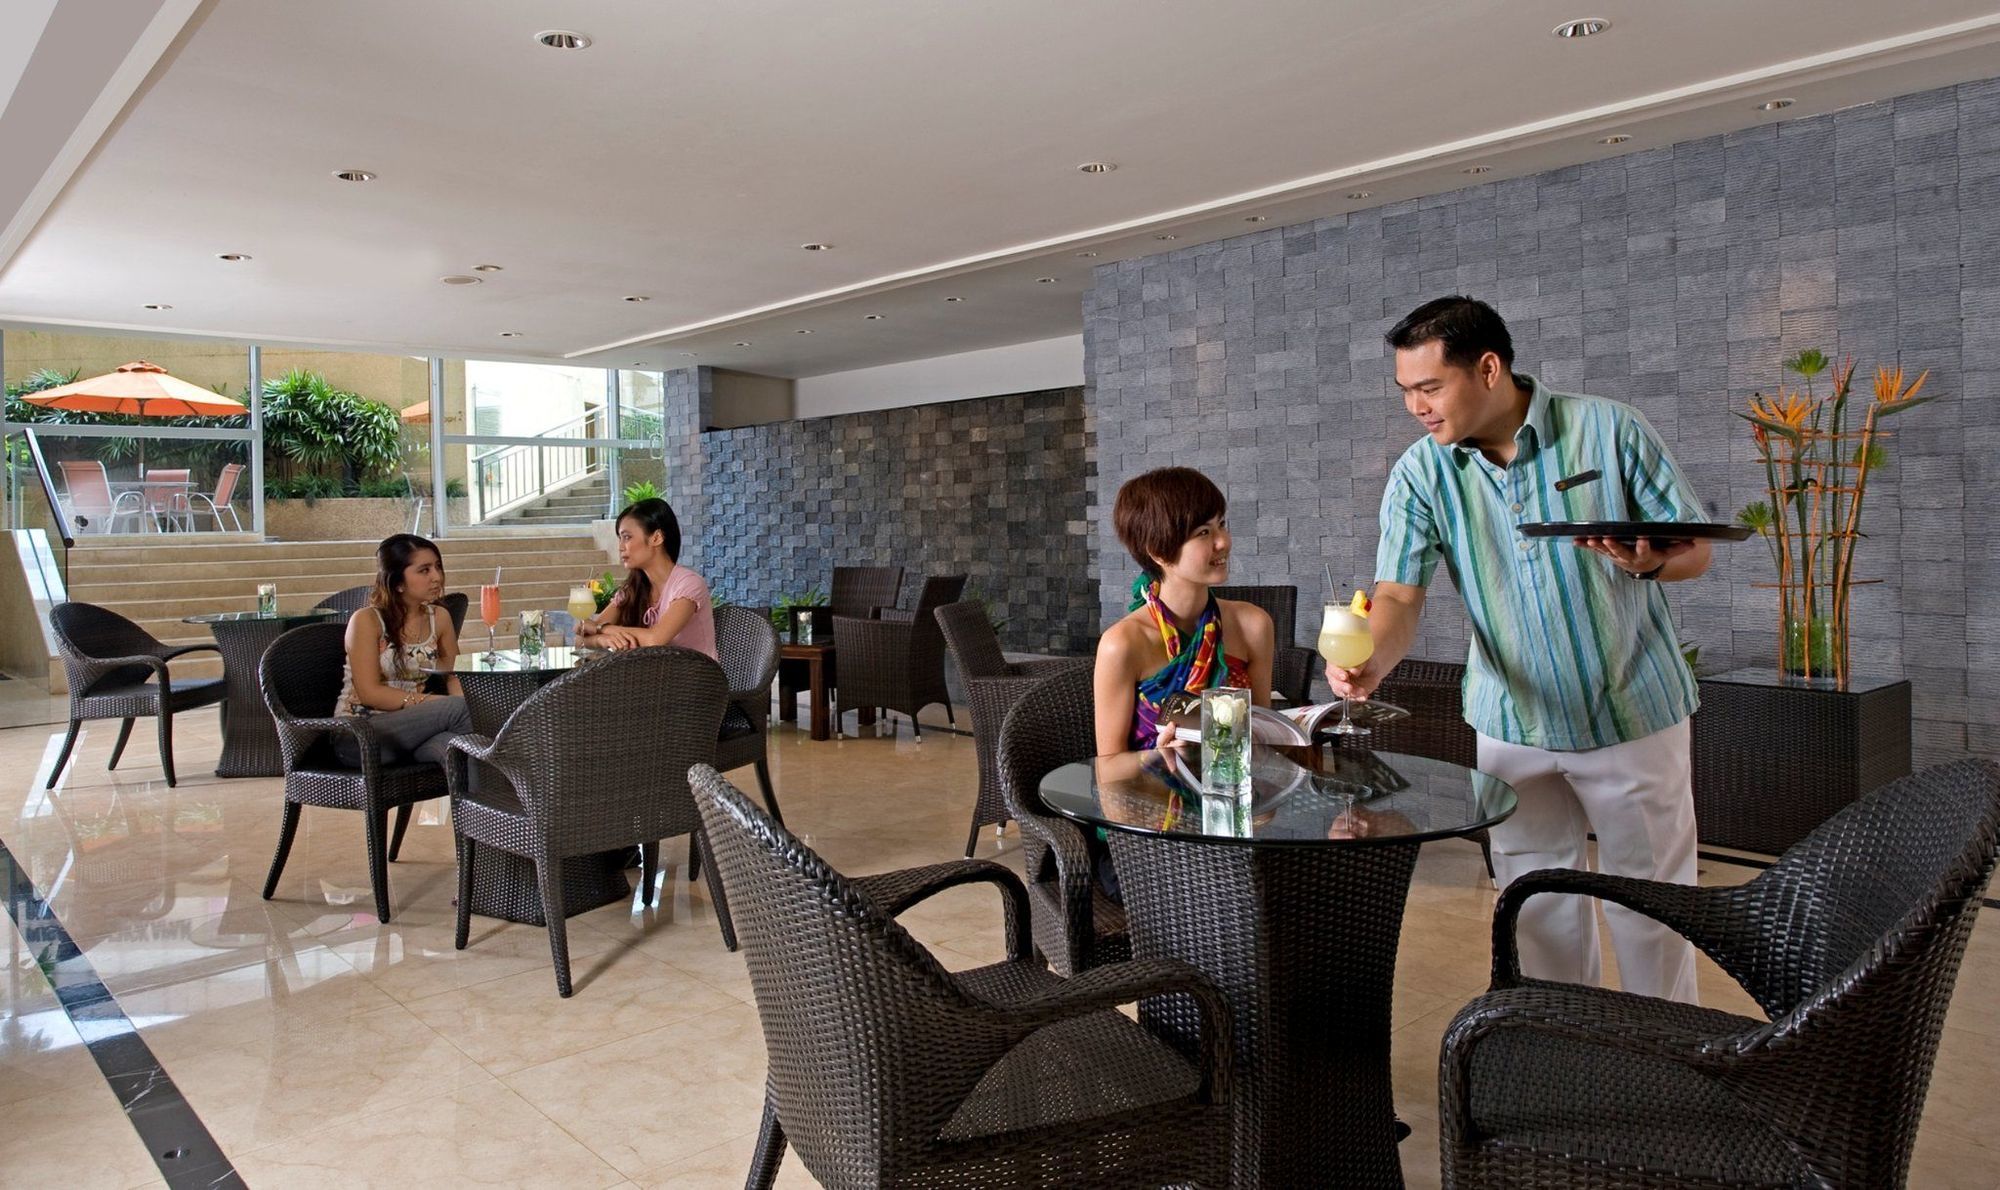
(660,602)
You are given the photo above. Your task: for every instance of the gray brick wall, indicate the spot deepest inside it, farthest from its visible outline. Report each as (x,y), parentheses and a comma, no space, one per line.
(1674,279)
(686,399)
(994,488)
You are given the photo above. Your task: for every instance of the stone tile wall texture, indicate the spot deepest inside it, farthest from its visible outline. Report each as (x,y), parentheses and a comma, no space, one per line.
(993,488)
(1674,279)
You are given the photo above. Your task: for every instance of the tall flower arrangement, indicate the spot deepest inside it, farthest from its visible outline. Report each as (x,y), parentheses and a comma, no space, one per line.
(1816,468)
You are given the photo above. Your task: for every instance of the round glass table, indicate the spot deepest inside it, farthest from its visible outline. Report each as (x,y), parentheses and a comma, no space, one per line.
(1291,899)
(249,735)
(504,885)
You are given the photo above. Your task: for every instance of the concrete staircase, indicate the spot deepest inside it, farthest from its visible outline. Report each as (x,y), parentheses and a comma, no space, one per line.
(579,503)
(156,585)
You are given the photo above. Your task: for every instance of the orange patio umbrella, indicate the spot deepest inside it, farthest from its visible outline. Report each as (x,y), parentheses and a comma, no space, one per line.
(138,389)
(419,413)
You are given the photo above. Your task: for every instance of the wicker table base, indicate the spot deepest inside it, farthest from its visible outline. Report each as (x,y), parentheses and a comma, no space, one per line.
(1303,943)
(249,736)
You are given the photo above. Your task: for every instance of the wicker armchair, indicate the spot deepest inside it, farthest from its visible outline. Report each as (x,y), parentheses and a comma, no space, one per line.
(898,662)
(353,599)
(859,592)
(118,670)
(347,599)
(994,684)
(1050,726)
(1292,664)
(553,800)
(1851,943)
(300,675)
(748,648)
(887,1070)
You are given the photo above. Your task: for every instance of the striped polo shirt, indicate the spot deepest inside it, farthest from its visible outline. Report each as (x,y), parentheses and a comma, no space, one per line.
(1568,651)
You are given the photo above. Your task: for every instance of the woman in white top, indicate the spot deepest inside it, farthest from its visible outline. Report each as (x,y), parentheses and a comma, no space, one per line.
(392,645)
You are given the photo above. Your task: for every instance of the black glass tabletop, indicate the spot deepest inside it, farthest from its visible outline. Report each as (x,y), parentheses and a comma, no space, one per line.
(304,617)
(1321,794)
(479,661)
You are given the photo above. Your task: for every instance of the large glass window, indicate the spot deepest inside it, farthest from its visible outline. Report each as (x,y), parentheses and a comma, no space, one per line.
(547,445)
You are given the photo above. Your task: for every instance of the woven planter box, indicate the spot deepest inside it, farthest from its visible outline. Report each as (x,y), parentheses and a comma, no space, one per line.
(1773,758)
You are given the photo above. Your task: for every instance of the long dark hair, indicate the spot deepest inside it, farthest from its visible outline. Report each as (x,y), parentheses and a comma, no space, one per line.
(392,558)
(652,516)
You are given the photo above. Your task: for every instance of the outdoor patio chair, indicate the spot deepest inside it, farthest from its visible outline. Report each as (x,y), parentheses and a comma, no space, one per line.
(87,498)
(747,645)
(1850,943)
(300,675)
(1432,692)
(166,495)
(897,662)
(1292,664)
(347,599)
(118,670)
(886,1070)
(545,799)
(220,500)
(1077,926)
(993,684)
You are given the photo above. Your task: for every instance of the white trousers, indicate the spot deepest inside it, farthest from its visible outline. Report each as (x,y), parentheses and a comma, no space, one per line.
(1639,799)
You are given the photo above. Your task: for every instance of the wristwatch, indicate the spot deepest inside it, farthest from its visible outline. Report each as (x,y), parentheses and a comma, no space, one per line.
(1652,574)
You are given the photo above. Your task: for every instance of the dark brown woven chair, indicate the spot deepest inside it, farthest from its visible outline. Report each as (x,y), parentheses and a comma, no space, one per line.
(1851,943)
(994,684)
(1050,725)
(897,662)
(300,675)
(348,599)
(118,670)
(748,648)
(860,592)
(886,1070)
(353,599)
(1292,665)
(1433,693)
(554,799)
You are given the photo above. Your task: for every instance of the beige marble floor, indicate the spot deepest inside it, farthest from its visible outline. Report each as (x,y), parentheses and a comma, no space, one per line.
(324,1049)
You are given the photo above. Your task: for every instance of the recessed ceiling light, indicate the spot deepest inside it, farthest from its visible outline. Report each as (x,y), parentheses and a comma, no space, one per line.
(743,342)
(510,334)
(233,257)
(1775,105)
(156,306)
(1086,255)
(354,175)
(690,353)
(954,299)
(817,247)
(1166,235)
(1477,169)
(871,317)
(639,363)
(802,331)
(1097,167)
(563,39)
(1047,280)
(486,268)
(1357,194)
(1616,138)
(458,279)
(637,297)
(1586,27)
(1256,218)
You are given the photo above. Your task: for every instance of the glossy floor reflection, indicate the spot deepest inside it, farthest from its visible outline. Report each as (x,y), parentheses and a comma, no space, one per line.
(322,1048)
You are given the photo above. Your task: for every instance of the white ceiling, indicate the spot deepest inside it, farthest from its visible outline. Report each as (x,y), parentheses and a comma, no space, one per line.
(688,153)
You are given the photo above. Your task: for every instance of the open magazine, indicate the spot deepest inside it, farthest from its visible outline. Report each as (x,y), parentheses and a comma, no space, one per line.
(1293,725)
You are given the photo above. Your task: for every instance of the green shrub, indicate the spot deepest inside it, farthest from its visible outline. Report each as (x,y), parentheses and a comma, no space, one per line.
(641,490)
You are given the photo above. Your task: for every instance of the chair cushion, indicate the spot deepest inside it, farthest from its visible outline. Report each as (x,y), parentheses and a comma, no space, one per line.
(1087,1066)
(1553,1095)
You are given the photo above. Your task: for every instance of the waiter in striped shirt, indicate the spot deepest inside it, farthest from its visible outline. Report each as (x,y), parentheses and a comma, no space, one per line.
(1575,683)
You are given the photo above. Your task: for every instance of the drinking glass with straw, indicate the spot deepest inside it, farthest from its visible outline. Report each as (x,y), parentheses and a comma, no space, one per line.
(1345,640)
(489,611)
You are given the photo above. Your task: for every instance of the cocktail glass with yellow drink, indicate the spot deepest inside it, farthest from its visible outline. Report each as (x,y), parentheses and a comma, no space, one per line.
(582,606)
(1345,641)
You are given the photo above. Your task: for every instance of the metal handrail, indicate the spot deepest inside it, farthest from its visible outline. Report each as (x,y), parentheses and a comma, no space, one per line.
(512,476)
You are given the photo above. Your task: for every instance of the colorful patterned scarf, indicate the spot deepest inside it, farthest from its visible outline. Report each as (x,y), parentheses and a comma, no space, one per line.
(1194,666)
